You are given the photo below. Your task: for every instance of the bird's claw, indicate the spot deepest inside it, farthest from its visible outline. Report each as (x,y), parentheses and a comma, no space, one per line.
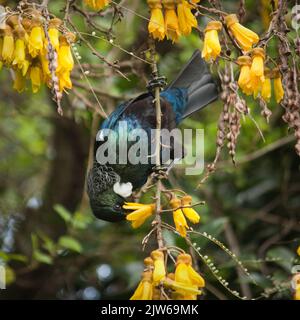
(161,172)
(156,82)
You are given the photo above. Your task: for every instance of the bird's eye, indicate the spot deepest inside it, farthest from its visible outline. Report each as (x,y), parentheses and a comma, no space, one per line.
(117,207)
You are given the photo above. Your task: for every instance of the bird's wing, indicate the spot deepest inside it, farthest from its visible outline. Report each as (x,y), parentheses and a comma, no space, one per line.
(115,116)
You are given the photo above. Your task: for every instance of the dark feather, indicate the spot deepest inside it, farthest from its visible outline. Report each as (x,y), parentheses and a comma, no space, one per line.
(196,78)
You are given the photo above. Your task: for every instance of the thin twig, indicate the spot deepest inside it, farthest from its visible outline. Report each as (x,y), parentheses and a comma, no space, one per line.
(160,240)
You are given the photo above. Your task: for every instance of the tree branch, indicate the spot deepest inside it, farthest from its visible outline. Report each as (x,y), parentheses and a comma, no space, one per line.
(157,147)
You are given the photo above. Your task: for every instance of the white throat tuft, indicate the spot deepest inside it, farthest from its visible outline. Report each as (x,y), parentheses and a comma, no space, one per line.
(123,189)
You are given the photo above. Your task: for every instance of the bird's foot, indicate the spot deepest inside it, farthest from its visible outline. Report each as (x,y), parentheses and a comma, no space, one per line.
(161,172)
(156,82)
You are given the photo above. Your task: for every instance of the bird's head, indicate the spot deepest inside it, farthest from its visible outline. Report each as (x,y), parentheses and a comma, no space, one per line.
(108,206)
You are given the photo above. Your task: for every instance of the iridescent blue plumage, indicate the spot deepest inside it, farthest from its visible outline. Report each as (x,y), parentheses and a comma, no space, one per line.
(178,98)
(192,90)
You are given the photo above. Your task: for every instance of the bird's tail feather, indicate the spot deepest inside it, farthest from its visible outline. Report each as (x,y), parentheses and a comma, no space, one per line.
(196,78)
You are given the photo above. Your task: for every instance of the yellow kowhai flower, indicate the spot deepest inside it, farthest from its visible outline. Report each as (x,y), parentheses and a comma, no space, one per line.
(171,20)
(244,80)
(144,291)
(185,273)
(8,46)
(64,81)
(186,19)
(245,37)
(257,70)
(65,59)
(19,82)
(20,58)
(19,54)
(266,87)
(296,282)
(190,213)
(140,214)
(297,293)
(212,47)
(149,266)
(159,271)
(298,251)
(13,22)
(53,33)
(97,4)
(26,65)
(257,67)
(178,217)
(36,77)
(181,291)
(36,39)
(45,66)
(149,263)
(278,88)
(27,25)
(156,26)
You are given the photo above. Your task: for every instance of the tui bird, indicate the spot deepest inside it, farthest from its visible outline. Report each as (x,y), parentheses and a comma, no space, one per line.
(108,185)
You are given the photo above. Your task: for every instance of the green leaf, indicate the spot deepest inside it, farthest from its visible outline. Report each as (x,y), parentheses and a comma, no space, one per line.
(70,243)
(10,275)
(63,212)
(80,220)
(42,257)
(4,256)
(48,243)
(17,257)
(34,241)
(282,256)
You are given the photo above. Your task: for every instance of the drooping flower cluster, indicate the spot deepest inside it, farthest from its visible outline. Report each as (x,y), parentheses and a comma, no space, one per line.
(181,210)
(157,284)
(24,48)
(266,92)
(245,37)
(255,78)
(97,4)
(171,18)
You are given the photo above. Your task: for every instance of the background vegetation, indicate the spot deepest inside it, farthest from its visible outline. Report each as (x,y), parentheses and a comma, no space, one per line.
(52,245)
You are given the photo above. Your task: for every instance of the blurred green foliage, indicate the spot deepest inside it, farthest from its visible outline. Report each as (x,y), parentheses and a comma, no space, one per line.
(253,207)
